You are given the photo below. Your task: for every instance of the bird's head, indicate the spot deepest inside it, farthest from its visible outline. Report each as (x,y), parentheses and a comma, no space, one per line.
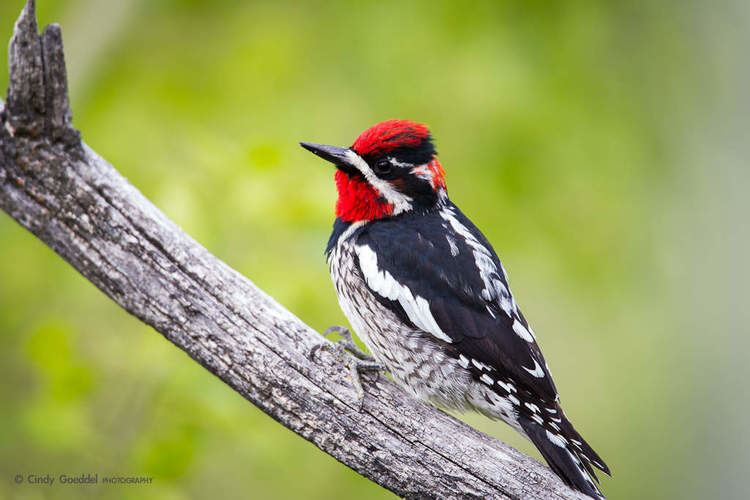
(390,169)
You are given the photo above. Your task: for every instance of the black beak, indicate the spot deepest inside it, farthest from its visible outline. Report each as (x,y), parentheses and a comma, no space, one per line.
(337,156)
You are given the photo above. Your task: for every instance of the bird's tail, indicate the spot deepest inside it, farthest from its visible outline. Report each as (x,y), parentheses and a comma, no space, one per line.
(567,454)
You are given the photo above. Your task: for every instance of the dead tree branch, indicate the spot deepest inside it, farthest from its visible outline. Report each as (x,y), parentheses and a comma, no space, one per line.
(80,206)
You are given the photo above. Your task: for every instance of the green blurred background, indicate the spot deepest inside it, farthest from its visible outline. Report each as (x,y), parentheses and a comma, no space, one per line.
(602,147)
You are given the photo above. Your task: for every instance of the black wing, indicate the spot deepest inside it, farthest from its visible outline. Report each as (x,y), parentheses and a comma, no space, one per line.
(440,274)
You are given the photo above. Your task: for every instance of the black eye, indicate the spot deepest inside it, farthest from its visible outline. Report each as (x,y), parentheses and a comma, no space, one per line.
(382,166)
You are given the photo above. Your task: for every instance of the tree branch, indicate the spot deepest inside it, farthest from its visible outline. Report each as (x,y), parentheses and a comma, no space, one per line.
(79,205)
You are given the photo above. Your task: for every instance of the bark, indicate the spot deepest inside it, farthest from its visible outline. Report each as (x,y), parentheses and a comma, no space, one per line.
(80,206)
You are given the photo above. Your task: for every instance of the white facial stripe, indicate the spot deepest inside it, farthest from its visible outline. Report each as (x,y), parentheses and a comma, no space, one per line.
(401,203)
(397,163)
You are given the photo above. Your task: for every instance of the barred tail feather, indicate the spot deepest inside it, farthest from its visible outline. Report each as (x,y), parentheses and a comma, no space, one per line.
(566,459)
(582,447)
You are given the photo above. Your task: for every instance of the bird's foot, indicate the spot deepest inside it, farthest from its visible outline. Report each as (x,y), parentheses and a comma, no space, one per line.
(346,342)
(363,362)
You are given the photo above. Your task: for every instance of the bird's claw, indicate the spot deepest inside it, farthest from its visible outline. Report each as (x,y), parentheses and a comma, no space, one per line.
(364,363)
(347,342)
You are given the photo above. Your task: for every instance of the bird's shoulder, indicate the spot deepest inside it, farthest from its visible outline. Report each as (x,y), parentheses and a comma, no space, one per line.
(342,231)
(439,248)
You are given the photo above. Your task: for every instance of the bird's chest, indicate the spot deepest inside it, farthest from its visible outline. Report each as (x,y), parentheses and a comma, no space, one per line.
(383,333)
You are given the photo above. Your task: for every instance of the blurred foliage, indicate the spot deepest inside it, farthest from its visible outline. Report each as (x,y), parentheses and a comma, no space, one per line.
(561,126)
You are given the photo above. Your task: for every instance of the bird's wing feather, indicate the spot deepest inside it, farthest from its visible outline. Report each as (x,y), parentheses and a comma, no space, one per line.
(438,273)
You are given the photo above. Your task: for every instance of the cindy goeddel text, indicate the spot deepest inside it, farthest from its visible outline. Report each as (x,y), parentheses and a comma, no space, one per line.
(80,479)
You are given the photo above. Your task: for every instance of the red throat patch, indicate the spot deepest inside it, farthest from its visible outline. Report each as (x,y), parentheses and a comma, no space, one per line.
(358,200)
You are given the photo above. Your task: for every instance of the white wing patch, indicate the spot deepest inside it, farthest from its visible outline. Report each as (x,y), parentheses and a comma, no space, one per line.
(383,283)
(480,365)
(522,331)
(463,361)
(494,288)
(452,245)
(509,387)
(537,371)
(557,439)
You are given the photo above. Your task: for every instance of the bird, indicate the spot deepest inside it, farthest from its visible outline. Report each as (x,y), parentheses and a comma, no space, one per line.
(425,291)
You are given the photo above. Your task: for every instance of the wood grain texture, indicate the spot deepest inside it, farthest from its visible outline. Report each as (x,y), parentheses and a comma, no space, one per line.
(80,206)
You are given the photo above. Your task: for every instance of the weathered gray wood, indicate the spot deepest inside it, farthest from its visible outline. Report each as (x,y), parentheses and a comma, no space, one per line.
(80,206)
